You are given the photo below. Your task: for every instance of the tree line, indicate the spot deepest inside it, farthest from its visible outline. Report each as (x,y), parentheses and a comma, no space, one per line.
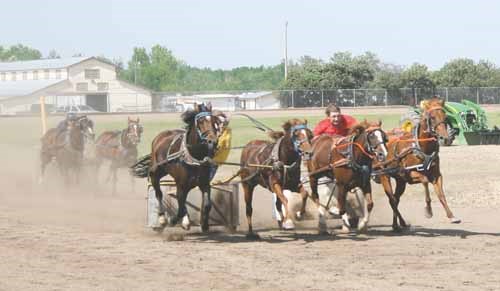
(158,69)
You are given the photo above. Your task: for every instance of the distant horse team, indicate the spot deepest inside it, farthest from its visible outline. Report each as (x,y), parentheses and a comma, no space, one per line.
(351,162)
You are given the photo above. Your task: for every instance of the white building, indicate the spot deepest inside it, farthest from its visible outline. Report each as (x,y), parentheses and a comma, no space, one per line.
(69,81)
(227,101)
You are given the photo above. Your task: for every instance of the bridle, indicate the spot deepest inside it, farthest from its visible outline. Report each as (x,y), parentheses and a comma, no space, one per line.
(297,143)
(428,119)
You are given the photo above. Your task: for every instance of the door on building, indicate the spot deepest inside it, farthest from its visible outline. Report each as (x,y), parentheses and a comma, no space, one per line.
(98,101)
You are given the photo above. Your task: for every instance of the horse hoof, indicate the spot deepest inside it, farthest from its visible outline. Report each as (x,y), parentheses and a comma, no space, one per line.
(334,211)
(396,229)
(288,225)
(345,220)
(455,220)
(252,236)
(345,229)
(186,224)
(363,226)
(158,229)
(162,221)
(428,212)
(298,215)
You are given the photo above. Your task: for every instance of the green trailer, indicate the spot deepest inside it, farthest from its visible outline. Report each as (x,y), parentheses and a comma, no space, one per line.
(466,121)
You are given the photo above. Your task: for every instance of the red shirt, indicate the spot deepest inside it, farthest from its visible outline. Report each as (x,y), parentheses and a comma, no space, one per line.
(325,126)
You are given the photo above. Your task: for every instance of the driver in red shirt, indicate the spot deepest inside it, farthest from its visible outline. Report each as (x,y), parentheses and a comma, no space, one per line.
(335,123)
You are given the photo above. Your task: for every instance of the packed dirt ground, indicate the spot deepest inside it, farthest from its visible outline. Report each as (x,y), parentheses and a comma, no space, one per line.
(85,238)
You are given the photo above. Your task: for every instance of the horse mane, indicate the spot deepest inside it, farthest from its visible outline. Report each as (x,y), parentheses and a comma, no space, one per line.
(429,103)
(189,115)
(360,127)
(287,126)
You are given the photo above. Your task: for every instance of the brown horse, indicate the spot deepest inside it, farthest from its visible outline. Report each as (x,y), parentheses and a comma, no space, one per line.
(185,155)
(347,161)
(414,158)
(66,147)
(119,147)
(275,166)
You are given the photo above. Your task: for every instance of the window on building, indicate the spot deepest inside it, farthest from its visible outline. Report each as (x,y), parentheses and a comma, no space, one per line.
(82,86)
(25,75)
(2,77)
(58,74)
(35,75)
(46,74)
(92,74)
(13,76)
(102,86)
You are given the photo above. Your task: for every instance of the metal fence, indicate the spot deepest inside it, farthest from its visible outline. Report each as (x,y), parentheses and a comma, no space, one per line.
(342,97)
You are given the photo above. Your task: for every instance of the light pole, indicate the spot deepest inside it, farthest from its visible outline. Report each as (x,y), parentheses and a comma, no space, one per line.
(286,50)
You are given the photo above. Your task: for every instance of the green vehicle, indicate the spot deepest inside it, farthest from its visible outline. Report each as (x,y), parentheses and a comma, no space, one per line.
(467,124)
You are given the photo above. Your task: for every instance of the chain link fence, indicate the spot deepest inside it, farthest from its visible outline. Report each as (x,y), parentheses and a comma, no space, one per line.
(255,100)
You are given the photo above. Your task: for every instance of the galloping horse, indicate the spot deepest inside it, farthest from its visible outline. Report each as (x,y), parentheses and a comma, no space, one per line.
(186,156)
(275,166)
(120,147)
(414,158)
(66,147)
(347,161)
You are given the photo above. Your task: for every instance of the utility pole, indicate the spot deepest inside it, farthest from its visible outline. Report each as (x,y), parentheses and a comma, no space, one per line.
(286,50)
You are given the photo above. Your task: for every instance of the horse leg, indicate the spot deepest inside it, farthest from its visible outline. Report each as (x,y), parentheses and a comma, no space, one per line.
(206,205)
(279,211)
(341,201)
(438,188)
(114,170)
(44,161)
(155,177)
(428,207)
(393,201)
(400,189)
(182,213)
(248,193)
(367,207)
(287,222)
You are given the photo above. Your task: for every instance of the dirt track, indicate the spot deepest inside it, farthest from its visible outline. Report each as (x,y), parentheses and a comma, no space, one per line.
(86,239)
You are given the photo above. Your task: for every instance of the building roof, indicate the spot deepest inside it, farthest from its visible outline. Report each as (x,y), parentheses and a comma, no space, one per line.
(41,64)
(21,88)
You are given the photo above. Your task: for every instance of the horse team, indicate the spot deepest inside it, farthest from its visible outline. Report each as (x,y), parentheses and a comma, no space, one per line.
(68,145)
(367,154)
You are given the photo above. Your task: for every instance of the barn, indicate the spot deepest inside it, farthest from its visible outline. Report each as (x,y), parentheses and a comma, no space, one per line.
(68,81)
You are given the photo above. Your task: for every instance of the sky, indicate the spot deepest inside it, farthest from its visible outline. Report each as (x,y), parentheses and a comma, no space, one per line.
(231,33)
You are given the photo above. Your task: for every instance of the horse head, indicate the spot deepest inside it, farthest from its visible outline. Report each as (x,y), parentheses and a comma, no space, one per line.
(134,131)
(433,119)
(201,120)
(375,138)
(86,126)
(300,135)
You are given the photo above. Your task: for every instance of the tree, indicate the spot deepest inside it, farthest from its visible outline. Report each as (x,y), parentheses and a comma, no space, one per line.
(388,77)
(53,55)
(19,52)
(417,76)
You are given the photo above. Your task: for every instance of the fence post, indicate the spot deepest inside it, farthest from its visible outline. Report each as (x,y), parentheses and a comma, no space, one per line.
(416,97)
(43,114)
(293,100)
(354,95)
(385,97)
(322,99)
(446,94)
(477,95)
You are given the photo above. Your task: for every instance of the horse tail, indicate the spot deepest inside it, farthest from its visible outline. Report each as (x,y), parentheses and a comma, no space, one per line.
(141,168)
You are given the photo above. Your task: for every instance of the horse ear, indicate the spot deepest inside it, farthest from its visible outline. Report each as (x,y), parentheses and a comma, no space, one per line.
(209,106)
(379,122)
(286,126)
(305,121)
(441,102)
